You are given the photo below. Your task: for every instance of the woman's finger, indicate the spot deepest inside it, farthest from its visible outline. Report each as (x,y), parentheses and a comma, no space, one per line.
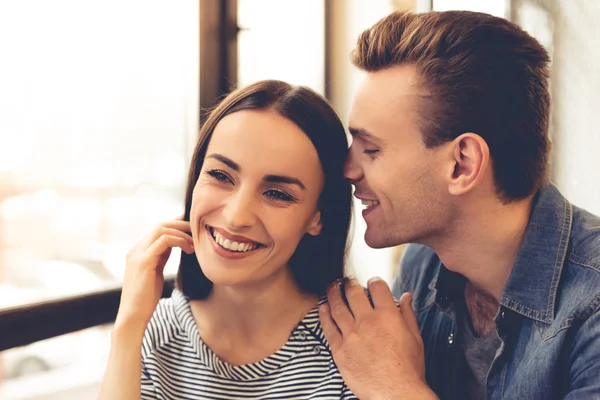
(165,243)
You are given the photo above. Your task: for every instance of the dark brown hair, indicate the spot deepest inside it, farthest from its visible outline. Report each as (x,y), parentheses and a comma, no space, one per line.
(318,260)
(482,74)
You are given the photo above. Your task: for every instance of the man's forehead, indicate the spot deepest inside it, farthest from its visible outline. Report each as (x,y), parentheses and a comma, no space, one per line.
(391,84)
(385,93)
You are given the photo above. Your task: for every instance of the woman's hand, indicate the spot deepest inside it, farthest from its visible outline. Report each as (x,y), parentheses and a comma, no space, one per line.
(142,288)
(143,282)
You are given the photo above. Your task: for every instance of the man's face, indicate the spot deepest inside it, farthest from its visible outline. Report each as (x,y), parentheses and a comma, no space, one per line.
(400,181)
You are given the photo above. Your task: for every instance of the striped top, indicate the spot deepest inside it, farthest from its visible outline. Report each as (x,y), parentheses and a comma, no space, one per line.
(177,364)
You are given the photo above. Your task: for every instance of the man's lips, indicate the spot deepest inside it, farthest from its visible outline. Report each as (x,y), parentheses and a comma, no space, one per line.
(366,201)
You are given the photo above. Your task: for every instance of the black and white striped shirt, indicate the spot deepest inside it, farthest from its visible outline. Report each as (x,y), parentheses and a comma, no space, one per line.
(176,364)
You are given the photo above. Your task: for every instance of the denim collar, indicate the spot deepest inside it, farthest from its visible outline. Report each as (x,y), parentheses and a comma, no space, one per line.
(533,283)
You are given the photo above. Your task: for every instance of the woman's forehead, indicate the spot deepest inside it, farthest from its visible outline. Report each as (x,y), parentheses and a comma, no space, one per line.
(264,140)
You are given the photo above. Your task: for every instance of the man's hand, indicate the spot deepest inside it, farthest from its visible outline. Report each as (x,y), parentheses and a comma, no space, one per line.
(378,350)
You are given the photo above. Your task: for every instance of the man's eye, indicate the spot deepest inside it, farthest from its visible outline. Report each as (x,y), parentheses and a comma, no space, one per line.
(368,151)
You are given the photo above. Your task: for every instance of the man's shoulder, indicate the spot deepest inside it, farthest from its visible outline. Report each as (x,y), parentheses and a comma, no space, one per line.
(579,295)
(585,239)
(419,266)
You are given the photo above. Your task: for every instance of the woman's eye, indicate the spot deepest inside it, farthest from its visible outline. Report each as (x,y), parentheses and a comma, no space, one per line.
(219,175)
(279,195)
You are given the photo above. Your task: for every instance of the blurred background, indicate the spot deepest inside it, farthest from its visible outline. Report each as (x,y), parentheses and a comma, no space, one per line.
(99,111)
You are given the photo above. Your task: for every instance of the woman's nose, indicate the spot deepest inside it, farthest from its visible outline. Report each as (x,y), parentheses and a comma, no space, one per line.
(239,212)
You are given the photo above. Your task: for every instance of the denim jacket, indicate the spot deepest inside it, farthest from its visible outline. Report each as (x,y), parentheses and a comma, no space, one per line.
(549,316)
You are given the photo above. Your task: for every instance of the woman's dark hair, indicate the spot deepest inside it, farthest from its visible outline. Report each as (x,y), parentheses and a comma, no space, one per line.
(318,260)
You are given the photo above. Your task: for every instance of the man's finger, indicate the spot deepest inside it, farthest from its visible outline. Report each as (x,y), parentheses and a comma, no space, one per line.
(330,329)
(357,298)
(338,309)
(409,315)
(381,294)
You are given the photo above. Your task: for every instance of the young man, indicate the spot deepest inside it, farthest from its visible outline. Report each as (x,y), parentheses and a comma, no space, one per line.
(450,151)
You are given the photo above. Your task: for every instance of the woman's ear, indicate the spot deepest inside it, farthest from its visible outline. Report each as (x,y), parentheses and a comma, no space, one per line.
(315,225)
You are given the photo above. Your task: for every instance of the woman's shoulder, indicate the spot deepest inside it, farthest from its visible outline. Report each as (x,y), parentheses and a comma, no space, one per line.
(165,323)
(323,300)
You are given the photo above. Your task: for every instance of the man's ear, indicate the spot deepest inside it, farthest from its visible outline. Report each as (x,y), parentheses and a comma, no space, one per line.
(468,163)
(315,226)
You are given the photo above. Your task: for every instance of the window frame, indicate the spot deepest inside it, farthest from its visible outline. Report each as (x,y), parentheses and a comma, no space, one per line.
(28,323)
(218,45)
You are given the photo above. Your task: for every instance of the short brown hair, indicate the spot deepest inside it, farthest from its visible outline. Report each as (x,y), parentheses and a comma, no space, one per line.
(483,74)
(318,260)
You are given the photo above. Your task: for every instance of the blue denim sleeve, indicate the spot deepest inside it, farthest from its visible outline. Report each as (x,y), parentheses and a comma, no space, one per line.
(585,359)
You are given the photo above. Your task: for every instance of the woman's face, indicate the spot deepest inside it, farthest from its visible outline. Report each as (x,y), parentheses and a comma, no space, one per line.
(255,198)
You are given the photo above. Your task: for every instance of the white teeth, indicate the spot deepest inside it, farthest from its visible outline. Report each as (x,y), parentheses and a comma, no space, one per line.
(230,245)
(369,203)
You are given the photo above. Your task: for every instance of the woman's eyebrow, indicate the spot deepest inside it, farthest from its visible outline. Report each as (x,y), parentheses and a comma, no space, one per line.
(230,163)
(268,178)
(284,179)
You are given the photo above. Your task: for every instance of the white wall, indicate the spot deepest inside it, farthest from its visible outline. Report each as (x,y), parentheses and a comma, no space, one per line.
(569,30)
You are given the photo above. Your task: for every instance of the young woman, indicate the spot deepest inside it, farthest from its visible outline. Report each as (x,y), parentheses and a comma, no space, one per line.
(267,214)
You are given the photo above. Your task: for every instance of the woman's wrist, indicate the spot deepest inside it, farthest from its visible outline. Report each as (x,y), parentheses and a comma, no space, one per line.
(127,329)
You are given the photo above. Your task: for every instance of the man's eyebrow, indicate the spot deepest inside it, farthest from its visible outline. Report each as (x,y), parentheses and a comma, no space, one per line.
(364,135)
(231,164)
(284,179)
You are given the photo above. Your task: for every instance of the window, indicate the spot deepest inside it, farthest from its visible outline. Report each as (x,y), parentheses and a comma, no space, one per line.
(98,113)
(64,367)
(274,45)
(97,108)
(494,7)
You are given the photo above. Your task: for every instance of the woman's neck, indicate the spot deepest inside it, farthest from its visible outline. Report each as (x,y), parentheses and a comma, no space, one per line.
(245,324)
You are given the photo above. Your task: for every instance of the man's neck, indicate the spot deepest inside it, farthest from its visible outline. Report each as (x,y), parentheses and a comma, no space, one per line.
(484,246)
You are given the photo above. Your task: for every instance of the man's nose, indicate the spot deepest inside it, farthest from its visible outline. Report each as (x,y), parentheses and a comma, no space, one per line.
(352,169)
(239,213)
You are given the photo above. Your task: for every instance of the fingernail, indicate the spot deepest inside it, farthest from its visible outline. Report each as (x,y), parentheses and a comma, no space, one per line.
(374,279)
